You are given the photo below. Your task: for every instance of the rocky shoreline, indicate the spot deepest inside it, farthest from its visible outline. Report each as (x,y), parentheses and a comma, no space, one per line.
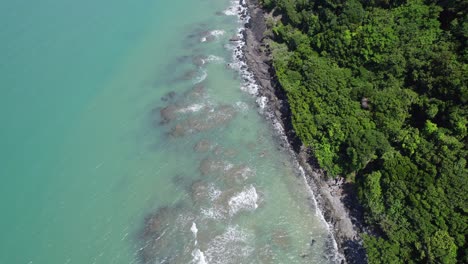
(336,198)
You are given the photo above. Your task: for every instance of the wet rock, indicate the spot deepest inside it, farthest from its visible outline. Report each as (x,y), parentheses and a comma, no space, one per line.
(222,114)
(222,202)
(164,234)
(198,91)
(209,38)
(168,113)
(281,239)
(312,242)
(202,146)
(156,222)
(178,131)
(234,38)
(251,146)
(265,255)
(210,166)
(218,151)
(199,192)
(182,59)
(205,121)
(189,75)
(237,175)
(198,60)
(230,152)
(168,96)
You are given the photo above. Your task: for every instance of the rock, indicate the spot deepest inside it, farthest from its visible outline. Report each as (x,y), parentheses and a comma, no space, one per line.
(156,246)
(202,146)
(199,192)
(210,166)
(198,91)
(237,174)
(312,242)
(198,60)
(281,239)
(168,113)
(235,38)
(169,96)
(332,206)
(188,75)
(206,120)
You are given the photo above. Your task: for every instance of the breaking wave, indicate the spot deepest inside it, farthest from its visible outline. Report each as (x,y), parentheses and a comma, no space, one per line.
(245,200)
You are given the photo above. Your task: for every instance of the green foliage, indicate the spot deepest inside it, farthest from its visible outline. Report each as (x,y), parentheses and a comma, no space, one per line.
(378,91)
(442,248)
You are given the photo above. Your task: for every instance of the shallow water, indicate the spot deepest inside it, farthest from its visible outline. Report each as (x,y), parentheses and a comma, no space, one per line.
(129,136)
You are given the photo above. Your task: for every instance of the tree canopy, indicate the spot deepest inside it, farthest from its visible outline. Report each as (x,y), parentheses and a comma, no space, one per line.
(378,91)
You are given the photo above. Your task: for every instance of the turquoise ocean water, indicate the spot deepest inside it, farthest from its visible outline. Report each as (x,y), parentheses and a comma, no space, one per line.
(128,135)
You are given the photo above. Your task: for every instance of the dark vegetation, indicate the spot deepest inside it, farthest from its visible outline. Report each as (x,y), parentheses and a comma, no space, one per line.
(378,91)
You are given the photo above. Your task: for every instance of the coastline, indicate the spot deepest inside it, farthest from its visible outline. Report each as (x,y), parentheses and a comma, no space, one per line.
(335,198)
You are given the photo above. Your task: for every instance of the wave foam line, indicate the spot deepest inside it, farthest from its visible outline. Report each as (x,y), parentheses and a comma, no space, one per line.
(250,85)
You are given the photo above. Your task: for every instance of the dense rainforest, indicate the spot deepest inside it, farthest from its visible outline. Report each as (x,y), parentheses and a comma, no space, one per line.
(378,92)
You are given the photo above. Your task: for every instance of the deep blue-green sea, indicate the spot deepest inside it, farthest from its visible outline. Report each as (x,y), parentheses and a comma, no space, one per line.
(131,133)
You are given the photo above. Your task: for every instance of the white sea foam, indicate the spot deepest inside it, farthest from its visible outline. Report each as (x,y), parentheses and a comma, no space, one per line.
(238,64)
(249,84)
(192,108)
(214,33)
(232,10)
(184,219)
(228,166)
(213,59)
(262,102)
(214,213)
(198,257)
(217,32)
(194,229)
(246,172)
(213,192)
(242,106)
(230,246)
(200,78)
(237,8)
(245,200)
